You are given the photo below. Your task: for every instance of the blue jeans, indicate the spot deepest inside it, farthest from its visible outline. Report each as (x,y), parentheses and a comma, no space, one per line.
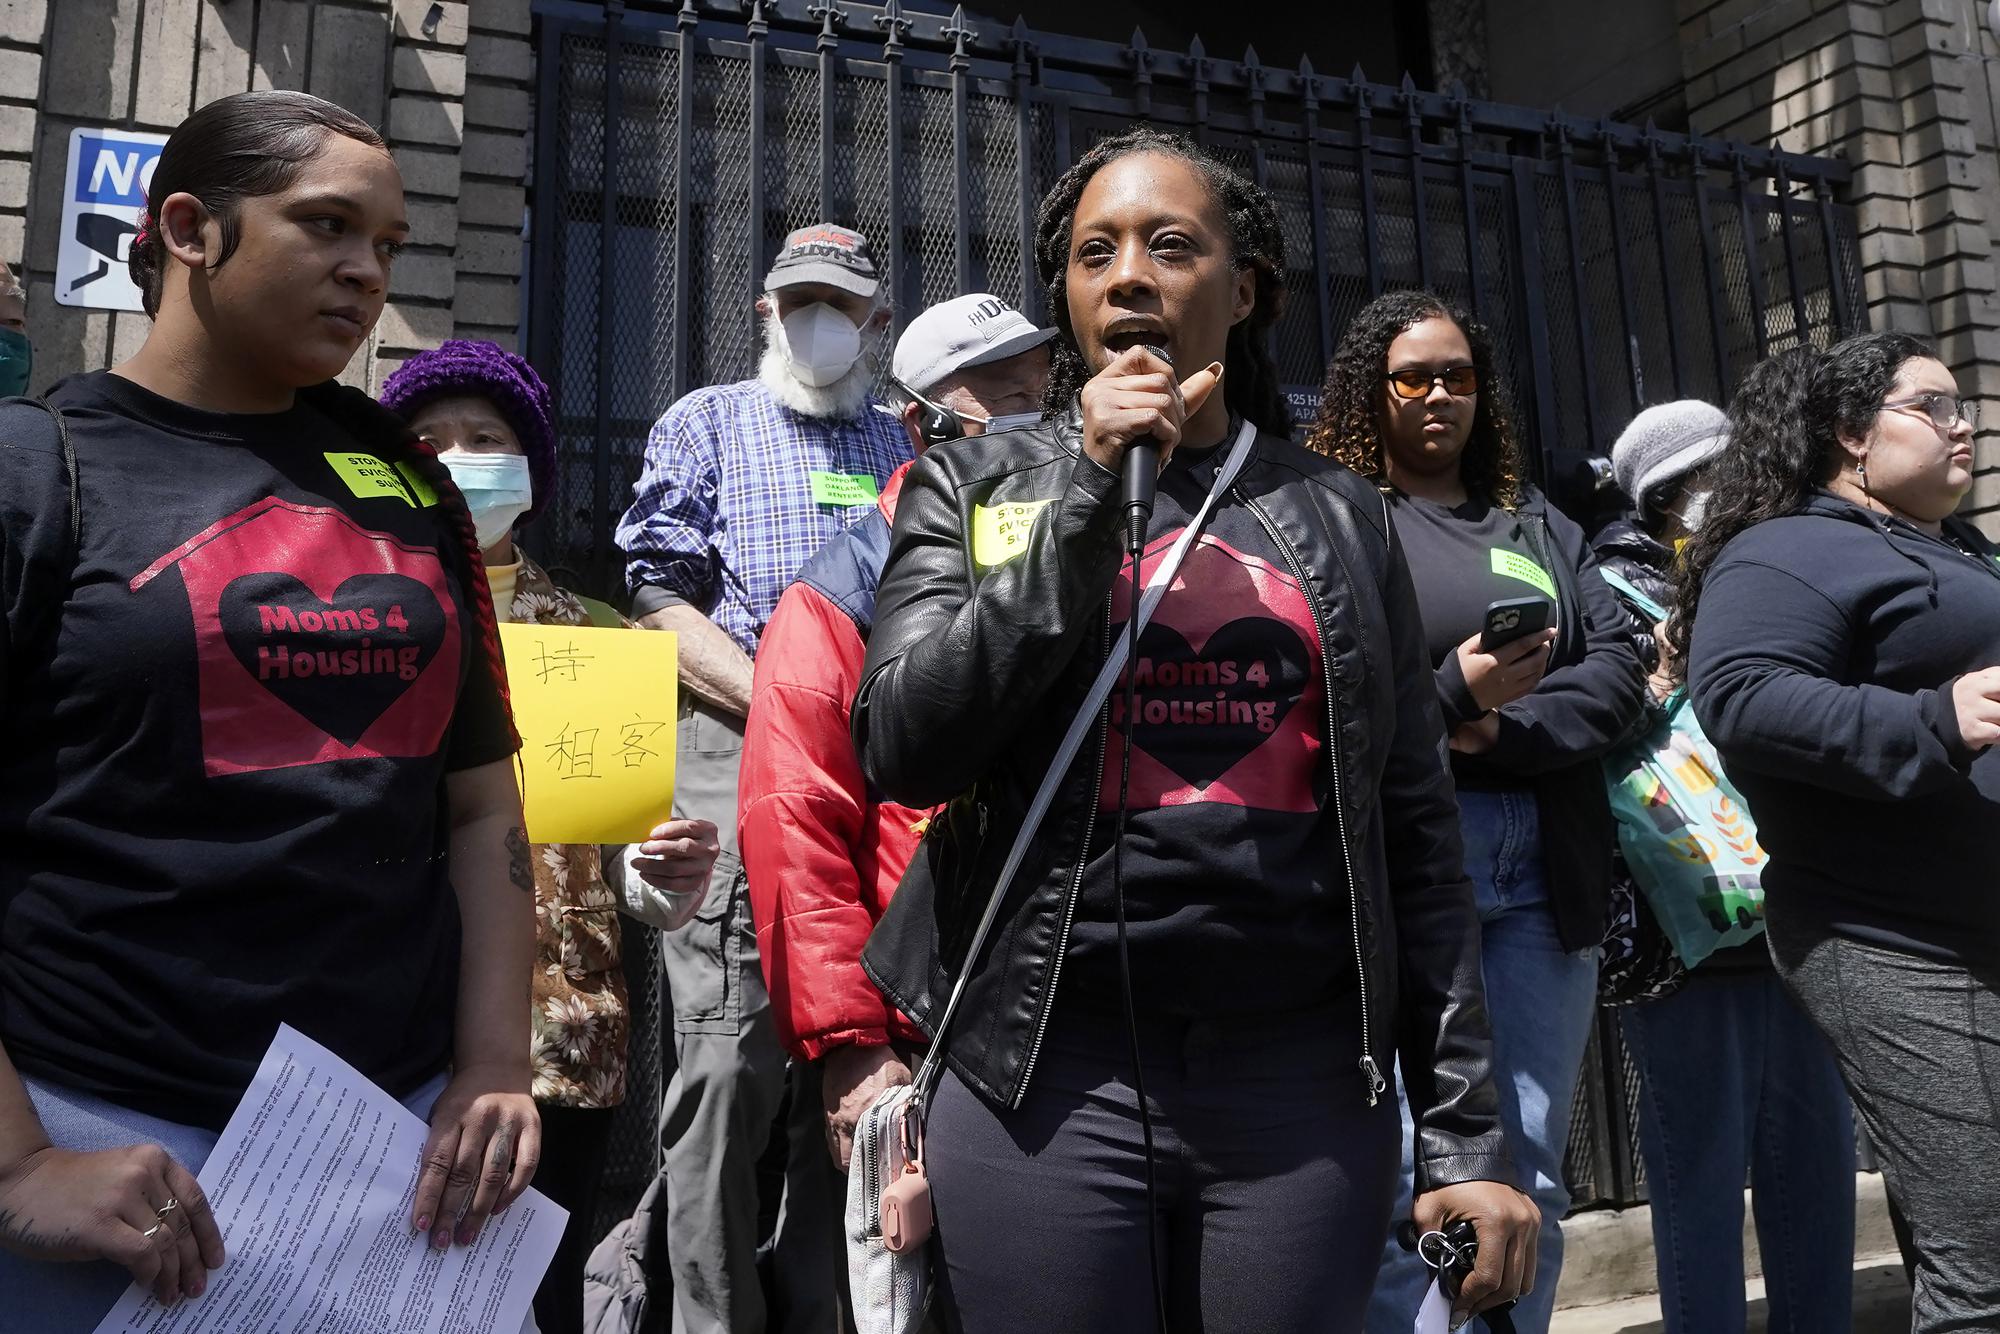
(1541,998)
(70,1297)
(1737,1082)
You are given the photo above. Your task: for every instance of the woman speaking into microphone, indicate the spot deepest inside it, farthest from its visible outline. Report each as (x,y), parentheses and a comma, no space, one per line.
(1164,1066)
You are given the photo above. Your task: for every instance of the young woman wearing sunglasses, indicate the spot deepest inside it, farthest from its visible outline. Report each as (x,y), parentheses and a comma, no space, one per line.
(1412,403)
(1841,630)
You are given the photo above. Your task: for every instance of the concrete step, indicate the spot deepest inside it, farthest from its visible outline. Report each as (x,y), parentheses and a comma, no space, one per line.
(1881,1306)
(1608,1253)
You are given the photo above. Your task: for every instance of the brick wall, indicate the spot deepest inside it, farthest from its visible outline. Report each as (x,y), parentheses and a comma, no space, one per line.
(453,104)
(1905,91)
(1459,45)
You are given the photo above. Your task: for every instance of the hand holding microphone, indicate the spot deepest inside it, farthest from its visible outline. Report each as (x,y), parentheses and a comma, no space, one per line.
(1133,413)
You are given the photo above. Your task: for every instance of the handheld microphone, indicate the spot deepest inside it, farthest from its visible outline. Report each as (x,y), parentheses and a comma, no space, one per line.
(1140,479)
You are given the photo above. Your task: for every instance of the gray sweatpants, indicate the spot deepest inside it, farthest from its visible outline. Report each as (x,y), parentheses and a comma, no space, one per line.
(1919,1045)
(729,1078)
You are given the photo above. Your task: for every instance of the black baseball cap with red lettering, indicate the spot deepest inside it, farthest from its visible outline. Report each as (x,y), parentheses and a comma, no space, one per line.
(823,253)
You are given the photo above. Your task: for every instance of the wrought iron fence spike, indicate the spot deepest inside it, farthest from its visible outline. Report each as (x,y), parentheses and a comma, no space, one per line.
(830,15)
(1196,51)
(961,34)
(894,25)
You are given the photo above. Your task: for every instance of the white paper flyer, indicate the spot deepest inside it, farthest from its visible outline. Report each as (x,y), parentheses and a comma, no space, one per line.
(311,1185)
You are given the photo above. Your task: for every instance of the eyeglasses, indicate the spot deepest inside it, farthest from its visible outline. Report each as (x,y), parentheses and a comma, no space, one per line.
(1414,383)
(1944,410)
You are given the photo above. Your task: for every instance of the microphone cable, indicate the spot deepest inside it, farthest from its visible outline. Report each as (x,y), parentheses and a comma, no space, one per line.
(1136,543)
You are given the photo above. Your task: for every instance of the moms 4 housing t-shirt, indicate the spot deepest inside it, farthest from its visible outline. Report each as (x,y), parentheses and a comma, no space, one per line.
(221,795)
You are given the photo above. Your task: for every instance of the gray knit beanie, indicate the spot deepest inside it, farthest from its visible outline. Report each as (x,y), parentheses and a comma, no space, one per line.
(1665,442)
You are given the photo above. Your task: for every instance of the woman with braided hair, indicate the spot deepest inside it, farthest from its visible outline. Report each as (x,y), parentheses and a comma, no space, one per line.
(258,760)
(1415,404)
(1162,1088)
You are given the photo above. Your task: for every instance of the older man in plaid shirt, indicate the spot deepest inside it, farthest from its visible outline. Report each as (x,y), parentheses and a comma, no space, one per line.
(743,483)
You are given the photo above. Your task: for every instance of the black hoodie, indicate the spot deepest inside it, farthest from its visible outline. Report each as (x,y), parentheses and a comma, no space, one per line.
(1825,650)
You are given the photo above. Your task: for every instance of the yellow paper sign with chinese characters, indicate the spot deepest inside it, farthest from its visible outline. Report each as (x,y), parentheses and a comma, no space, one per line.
(596,709)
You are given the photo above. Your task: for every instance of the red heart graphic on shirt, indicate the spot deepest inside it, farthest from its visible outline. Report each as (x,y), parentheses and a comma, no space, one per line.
(340,663)
(1201,713)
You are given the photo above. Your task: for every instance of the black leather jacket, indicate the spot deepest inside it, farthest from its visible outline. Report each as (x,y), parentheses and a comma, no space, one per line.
(983,647)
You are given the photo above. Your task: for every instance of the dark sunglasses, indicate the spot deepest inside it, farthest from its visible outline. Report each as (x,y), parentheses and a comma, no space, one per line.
(1414,383)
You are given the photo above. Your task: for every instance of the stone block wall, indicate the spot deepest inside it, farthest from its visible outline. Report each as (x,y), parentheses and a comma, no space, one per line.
(453,102)
(1905,91)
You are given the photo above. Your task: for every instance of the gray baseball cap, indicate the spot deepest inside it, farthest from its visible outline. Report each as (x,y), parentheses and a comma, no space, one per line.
(823,253)
(966,331)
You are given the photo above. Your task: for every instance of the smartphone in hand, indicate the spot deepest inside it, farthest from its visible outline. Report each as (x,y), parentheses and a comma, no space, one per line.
(1509,619)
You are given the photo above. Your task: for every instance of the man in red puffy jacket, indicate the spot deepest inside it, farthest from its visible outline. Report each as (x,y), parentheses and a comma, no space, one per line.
(821,854)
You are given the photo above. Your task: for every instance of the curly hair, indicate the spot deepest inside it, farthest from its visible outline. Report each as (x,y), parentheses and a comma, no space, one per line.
(1250,384)
(1349,427)
(1785,423)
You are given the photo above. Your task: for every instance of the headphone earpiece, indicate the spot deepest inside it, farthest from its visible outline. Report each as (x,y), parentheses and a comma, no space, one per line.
(938,425)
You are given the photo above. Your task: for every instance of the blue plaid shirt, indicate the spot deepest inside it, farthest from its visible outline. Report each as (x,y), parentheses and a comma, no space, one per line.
(723,515)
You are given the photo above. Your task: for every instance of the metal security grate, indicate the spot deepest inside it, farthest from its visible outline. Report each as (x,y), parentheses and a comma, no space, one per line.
(1618,266)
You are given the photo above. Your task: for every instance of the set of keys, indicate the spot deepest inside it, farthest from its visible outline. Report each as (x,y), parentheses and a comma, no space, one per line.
(1451,1255)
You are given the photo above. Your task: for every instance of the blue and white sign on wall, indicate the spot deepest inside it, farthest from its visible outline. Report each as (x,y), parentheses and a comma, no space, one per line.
(103,193)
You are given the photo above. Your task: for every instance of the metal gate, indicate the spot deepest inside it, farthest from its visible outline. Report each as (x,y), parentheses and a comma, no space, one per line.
(1617,265)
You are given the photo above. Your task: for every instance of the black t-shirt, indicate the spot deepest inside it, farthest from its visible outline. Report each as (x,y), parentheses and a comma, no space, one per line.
(222,801)
(1235,898)
(1463,558)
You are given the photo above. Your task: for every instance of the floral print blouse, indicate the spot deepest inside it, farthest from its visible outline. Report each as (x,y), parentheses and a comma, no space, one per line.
(581,1013)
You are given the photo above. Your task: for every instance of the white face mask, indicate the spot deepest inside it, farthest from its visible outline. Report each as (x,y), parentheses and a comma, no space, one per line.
(820,344)
(1694,506)
(498,490)
(1010,422)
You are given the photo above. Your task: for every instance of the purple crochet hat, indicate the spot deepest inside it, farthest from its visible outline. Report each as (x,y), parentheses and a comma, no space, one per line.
(484,370)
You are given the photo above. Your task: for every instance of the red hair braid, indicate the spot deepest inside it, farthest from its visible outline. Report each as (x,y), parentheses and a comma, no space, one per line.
(472,564)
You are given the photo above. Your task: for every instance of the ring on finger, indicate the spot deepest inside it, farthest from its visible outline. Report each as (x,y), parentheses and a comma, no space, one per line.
(167,1208)
(153,1231)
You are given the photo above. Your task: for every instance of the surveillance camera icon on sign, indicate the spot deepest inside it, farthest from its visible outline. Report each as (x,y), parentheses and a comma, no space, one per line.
(105,237)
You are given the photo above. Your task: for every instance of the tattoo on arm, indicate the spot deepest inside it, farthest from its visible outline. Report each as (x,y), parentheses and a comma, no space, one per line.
(21,1230)
(519,869)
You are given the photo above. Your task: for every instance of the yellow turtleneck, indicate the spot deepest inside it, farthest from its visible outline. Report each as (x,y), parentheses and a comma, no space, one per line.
(500,578)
